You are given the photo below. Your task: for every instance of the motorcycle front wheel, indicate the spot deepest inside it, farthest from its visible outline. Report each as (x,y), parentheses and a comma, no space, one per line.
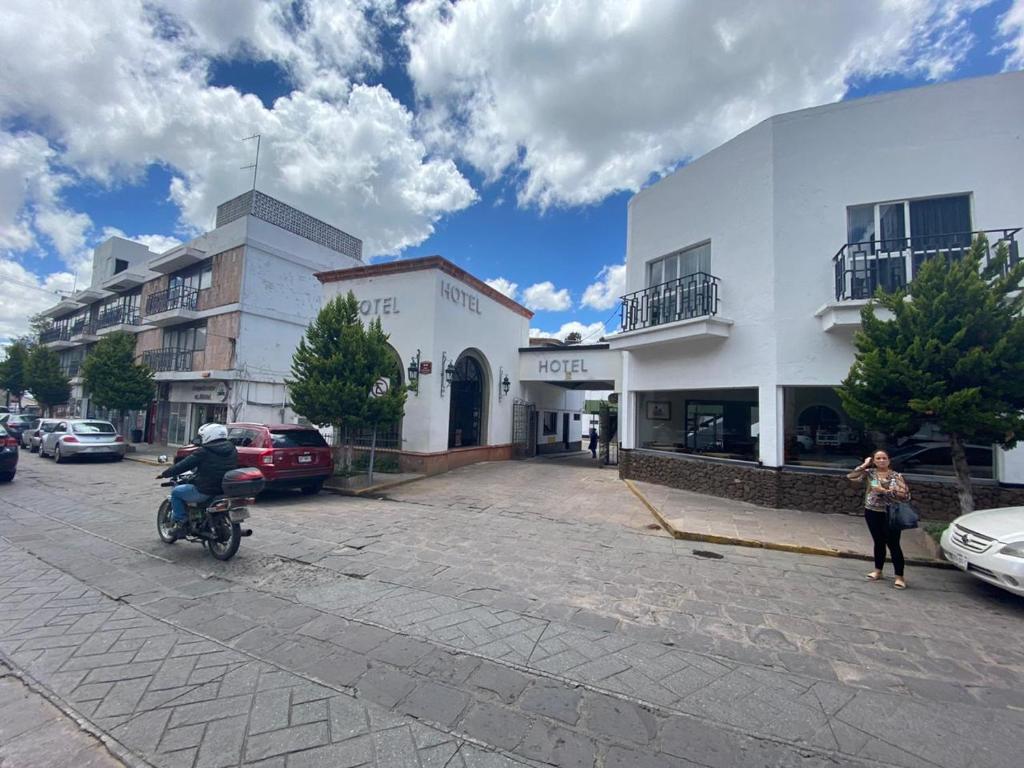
(164,523)
(229,536)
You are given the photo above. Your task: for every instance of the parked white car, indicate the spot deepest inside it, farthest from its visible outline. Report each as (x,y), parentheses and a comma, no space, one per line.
(989,544)
(82,437)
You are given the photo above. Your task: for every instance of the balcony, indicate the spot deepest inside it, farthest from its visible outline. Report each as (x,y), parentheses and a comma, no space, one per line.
(57,338)
(168,359)
(176,259)
(175,305)
(83,332)
(127,279)
(860,269)
(118,319)
(681,309)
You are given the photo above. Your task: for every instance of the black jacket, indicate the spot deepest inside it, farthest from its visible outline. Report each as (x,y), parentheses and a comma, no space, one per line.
(212,461)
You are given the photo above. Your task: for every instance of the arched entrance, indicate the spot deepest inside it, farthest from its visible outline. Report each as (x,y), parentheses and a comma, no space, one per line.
(466,414)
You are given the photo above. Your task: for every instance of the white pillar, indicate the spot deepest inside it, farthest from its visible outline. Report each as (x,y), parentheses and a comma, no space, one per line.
(627,404)
(1009,465)
(770,414)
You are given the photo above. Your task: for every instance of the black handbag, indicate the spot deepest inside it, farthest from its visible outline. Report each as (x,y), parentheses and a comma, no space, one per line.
(902,516)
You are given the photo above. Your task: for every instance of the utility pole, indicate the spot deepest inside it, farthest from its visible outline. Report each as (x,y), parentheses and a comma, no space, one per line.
(256,165)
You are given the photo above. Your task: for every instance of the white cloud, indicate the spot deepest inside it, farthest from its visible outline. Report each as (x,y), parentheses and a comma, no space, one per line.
(540,296)
(582,100)
(119,85)
(1011,28)
(34,294)
(503,286)
(66,229)
(155,243)
(610,285)
(588,333)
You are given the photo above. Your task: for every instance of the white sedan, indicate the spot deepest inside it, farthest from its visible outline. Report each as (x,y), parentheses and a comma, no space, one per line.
(990,545)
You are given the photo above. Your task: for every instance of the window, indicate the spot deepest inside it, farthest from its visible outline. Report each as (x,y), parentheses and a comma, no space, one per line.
(120,265)
(719,423)
(186,338)
(93,428)
(688,261)
(550,423)
(244,438)
(297,438)
(932,223)
(194,278)
(177,424)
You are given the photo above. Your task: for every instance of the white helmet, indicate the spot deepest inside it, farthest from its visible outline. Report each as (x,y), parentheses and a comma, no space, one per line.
(210,432)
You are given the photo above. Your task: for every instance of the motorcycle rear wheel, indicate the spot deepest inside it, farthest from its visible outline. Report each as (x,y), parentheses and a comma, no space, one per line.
(232,535)
(164,523)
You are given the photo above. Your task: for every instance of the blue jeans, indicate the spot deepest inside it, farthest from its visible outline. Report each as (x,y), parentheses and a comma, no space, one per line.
(181,495)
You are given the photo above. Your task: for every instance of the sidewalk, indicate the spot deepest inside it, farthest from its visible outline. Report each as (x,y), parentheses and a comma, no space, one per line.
(147,453)
(698,517)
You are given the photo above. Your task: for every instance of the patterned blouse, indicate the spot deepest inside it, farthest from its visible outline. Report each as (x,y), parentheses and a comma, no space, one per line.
(874,497)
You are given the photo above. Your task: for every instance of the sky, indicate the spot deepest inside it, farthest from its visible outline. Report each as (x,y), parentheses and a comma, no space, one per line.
(505,135)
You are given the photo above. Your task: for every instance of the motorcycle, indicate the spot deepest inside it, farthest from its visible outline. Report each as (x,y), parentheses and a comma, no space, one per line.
(215,522)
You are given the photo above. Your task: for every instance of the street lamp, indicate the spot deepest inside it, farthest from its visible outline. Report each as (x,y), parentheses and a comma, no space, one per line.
(414,374)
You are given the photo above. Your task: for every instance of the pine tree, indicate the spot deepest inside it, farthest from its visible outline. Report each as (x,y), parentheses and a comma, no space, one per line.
(45,379)
(336,365)
(951,355)
(14,371)
(112,377)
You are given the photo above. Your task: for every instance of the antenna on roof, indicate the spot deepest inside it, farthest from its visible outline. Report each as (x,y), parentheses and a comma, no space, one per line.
(256,165)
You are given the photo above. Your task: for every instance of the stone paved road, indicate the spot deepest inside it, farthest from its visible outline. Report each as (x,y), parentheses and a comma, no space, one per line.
(514,613)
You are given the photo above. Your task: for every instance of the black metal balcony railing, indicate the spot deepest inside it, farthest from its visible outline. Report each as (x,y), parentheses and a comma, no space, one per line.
(168,359)
(117,316)
(686,297)
(84,328)
(55,334)
(172,298)
(861,268)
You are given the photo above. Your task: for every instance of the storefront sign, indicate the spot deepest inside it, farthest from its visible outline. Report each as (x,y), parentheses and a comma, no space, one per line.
(385,306)
(562,366)
(208,392)
(426,367)
(460,297)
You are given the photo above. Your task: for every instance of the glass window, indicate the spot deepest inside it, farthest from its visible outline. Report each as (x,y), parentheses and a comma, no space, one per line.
(550,423)
(297,438)
(860,223)
(177,424)
(93,428)
(720,423)
(244,438)
(186,337)
(206,278)
(687,261)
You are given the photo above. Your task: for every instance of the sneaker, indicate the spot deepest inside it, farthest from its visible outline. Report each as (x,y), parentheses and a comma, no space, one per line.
(177,529)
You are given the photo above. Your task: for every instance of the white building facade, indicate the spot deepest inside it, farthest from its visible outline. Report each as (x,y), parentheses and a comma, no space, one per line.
(747,269)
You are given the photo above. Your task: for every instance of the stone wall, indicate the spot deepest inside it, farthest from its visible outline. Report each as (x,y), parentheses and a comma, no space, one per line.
(787,489)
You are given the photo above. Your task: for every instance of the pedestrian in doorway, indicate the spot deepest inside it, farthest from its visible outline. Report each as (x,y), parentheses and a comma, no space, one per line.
(883,486)
(593,443)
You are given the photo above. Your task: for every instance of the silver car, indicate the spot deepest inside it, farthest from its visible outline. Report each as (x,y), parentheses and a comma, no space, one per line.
(82,437)
(31,437)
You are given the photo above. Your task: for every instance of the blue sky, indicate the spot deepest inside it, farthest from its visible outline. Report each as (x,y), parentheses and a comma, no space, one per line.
(507,136)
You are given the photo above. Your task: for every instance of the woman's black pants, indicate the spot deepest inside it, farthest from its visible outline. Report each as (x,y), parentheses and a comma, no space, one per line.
(878,524)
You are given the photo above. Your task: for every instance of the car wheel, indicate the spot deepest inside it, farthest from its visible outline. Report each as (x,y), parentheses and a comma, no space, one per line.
(6,477)
(118,457)
(57,455)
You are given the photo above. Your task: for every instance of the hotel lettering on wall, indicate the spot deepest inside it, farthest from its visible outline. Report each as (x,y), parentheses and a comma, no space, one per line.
(460,297)
(384,306)
(567,367)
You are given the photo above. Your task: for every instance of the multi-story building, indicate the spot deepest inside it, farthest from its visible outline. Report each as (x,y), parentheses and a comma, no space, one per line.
(216,318)
(747,270)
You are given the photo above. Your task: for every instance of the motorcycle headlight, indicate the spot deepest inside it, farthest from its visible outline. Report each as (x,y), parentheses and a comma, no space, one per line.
(1013,549)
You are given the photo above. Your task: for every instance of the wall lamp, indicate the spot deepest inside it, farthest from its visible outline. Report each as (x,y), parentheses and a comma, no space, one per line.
(448,372)
(414,374)
(503,384)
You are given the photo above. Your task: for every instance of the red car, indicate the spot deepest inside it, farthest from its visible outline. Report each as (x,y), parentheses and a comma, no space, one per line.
(288,455)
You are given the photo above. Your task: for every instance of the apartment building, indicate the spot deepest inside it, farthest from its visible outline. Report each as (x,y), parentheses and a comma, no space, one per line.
(216,318)
(747,270)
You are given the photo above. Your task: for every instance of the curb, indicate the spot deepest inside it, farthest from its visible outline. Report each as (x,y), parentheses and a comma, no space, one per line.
(142,460)
(371,489)
(756,544)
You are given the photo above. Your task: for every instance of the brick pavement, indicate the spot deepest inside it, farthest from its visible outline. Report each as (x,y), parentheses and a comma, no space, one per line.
(499,618)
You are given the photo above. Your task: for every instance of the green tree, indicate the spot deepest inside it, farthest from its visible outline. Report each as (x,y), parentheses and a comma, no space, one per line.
(45,380)
(335,367)
(952,354)
(14,371)
(112,377)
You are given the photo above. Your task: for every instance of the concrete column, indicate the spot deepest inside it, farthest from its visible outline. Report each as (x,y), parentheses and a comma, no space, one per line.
(770,413)
(627,404)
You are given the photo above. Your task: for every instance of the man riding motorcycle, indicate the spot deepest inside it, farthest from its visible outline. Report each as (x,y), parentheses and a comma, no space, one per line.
(211,460)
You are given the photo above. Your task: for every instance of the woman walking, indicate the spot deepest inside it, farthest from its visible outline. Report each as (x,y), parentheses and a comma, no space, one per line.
(883,487)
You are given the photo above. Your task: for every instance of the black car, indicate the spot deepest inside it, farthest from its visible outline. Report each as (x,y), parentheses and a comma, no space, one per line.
(16,423)
(8,456)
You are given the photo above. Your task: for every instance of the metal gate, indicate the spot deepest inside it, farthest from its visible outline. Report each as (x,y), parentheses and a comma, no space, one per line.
(524,429)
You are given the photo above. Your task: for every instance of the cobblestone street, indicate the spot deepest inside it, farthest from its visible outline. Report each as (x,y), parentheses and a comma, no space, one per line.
(502,614)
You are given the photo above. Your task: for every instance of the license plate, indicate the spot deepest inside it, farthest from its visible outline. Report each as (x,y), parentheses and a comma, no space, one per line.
(305,459)
(960,561)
